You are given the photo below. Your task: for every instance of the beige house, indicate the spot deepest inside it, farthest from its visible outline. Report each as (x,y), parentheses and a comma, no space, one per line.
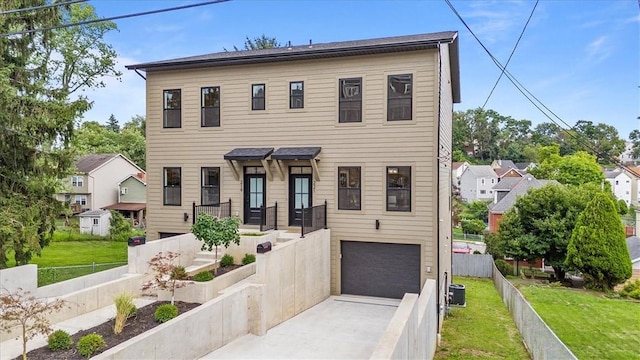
(363,125)
(95,183)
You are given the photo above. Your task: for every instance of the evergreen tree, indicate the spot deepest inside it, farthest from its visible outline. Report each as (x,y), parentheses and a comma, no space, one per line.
(112,124)
(597,247)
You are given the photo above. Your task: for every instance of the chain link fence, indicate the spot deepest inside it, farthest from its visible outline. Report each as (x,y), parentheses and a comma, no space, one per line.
(474,237)
(50,275)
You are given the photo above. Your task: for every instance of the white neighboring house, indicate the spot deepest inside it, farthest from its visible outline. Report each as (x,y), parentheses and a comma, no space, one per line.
(457,168)
(626,157)
(621,184)
(476,183)
(95,222)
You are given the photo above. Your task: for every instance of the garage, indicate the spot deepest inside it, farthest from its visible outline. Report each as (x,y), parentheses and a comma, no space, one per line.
(379,269)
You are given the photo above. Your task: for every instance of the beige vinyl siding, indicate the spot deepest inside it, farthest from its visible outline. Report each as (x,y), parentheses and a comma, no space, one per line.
(371,144)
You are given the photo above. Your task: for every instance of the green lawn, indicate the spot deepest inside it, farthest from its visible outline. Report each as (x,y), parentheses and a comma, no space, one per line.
(79,253)
(482,330)
(591,325)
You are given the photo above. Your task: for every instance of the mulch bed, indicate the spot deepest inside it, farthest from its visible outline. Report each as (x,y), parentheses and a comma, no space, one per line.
(223,270)
(141,322)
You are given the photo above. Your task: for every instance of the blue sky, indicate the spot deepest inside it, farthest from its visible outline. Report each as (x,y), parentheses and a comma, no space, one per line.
(580,58)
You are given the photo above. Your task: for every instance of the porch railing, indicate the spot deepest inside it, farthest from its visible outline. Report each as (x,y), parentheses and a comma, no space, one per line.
(314,218)
(269,217)
(219,210)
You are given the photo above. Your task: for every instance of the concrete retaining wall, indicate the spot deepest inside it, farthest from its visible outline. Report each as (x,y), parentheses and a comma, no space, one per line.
(248,245)
(472,265)
(65,287)
(412,332)
(24,277)
(201,292)
(540,340)
(138,256)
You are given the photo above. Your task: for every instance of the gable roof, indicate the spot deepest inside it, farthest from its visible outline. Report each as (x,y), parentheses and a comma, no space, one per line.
(481,171)
(526,183)
(507,183)
(321,50)
(456,164)
(613,174)
(501,172)
(523,165)
(633,171)
(633,244)
(505,164)
(88,163)
(136,177)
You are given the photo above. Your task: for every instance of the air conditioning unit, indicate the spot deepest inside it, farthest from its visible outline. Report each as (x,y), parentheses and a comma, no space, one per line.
(123,191)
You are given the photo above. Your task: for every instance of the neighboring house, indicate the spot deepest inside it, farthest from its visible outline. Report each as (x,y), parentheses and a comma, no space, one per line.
(504,164)
(504,173)
(508,192)
(621,184)
(132,198)
(476,183)
(363,125)
(626,156)
(95,222)
(95,183)
(524,167)
(457,168)
(633,244)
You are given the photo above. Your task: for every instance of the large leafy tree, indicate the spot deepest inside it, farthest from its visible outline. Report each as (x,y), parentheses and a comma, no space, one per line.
(601,140)
(112,124)
(260,42)
(577,169)
(634,137)
(598,248)
(42,74)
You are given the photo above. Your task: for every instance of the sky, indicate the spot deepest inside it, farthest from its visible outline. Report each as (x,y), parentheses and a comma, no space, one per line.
(580,58)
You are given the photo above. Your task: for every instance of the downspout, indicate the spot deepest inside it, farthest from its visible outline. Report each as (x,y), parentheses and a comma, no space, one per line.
(438,305)
(142,76)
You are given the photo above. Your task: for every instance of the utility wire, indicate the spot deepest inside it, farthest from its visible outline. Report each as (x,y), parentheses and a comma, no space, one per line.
(511,55)
(19,10)
(115,18)
(577,136)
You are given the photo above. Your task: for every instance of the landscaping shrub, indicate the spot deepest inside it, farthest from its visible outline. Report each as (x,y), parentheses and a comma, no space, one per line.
(59,340)
(227,260)
(203,276)
(119,228)
(248,259)
(504,267)
(179,273)
(477,252)
(473,226)
(165,313)
(631,289)
(125,308)
(89,344)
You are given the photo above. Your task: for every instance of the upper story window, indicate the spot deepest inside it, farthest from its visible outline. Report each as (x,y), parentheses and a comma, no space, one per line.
(210,193)
(210,112)
(296,95)
(258,96)
(350,100)
(399,97)
(349,188)
(617,182)
(398,188)
(482,181)
(172,117)
(172,186)
(77,181)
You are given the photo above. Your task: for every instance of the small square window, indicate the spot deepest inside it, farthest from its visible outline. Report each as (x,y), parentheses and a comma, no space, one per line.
(258,96)
(482,192)
(296,95)
(96,222)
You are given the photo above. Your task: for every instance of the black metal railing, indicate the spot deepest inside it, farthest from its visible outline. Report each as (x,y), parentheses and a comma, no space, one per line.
(219,210)
(269,217)
(314,218)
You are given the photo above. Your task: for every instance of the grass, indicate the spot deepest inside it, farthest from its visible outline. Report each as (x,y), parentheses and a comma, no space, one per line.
(591,325)
(69,253)
(482,330)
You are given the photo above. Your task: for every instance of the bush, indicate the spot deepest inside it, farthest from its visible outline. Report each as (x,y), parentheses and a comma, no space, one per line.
(227,260)
(59,340)
(165,313)
(248,259)
(119,228)
(203,276)
(631,289)
(89,344)
(473,226)
(504,267)
(477,252)
(178,273)
(125,308)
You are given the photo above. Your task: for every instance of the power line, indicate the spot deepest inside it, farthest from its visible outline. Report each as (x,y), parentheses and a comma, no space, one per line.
(40,7)
(523,90)
(511,55)
(115,17)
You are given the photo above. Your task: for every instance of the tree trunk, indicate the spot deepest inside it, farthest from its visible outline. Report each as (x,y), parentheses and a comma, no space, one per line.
(559,272)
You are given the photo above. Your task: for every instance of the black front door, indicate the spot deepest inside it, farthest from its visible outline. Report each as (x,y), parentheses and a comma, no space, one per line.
(299,193)
(255,195)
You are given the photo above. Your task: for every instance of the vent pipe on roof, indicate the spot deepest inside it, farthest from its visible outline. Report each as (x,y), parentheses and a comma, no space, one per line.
(289,46)
(310,44)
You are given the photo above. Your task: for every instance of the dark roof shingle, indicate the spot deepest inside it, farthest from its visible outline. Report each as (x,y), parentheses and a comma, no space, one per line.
(88,163)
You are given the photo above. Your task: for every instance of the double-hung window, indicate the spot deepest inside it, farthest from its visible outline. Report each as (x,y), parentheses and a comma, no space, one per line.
(77,181)
(172,186)
(81,199)
(399,97)
(210,194)
(350,100)
(349,185)
(296,95)
(210,103)
(398,188)
(172,117)
(258,96)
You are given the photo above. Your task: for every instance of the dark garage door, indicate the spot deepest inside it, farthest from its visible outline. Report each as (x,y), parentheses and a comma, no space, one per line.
(379,269)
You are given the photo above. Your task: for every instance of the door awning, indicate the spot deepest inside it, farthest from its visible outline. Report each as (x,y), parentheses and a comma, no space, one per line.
(244,154)
(296,153)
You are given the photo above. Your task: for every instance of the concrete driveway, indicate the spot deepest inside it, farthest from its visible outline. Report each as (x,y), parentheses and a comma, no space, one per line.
(341,327)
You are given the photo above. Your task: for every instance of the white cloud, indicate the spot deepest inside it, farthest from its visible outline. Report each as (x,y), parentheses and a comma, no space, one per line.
(598,49)
(493,21)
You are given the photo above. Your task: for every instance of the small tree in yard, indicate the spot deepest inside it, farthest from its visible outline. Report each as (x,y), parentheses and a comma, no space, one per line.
(597,247)
(216,232)
(165,274)
(29,312)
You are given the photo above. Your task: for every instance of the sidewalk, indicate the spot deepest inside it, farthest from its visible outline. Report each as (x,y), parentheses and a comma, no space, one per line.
(12,348)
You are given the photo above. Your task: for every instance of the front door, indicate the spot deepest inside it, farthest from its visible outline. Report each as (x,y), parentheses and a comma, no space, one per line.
(299,193)
(255,195)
